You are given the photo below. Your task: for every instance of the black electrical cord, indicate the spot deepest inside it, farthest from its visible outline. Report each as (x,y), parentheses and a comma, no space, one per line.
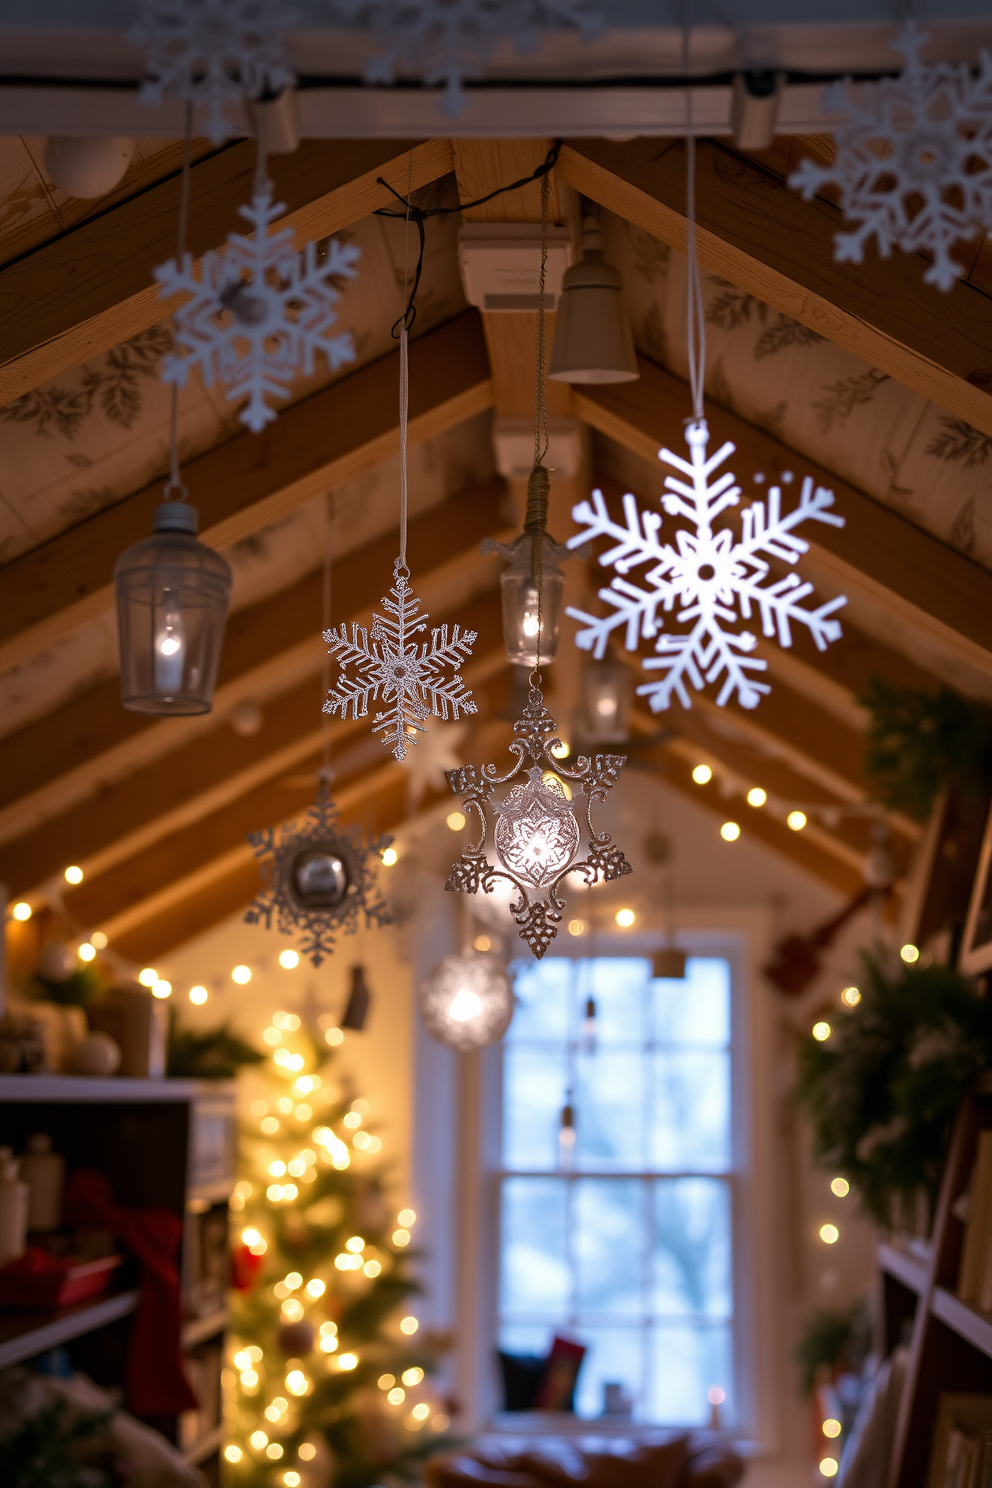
(419,215)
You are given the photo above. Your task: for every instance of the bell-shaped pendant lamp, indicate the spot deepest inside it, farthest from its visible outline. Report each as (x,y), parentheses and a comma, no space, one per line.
(607,689)
(593,340)
(172,598)
(532,584)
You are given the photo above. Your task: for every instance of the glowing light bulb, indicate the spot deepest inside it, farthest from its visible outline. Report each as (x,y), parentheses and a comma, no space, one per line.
(831,1427)
(730,831)
(456,821)
(347,1361)
(850,996)
(829,1234)
(396,1395)
(465,1005)
(828,1467)
(625,918)
(407,1217)
(198,995)
(821,1032)
(482,943)
(21,911)
(169,647)
(73,874)
(162,988)
(796,820)
(99,940)
(702,774)
(756,796)
(531,624)
(715,1395)
(909,954)
(576,927)
(241,975)
(233,1453)
(390,856)
(86,951)
(288,960)
(421,1411)
(840,1187)
(148,976)
(412,1376)
(409,1325)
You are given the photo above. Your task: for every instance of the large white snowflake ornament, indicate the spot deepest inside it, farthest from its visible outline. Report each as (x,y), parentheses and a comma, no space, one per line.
(213,52)
(447,41)
(713,576)
(405,672)
(914,159)
(258,311)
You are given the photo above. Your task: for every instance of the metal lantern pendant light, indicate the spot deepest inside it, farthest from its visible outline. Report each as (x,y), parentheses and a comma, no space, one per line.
(467,1002)
(532,586)
(593,340)
(172,598)
(172,591)
(607,688)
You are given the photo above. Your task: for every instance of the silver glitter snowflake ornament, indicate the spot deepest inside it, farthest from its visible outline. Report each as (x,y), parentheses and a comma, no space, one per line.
(213,52)
(258,312)
(914,160)
(319,878)
(530,839)
(714,577)
(402,670)
(447,41)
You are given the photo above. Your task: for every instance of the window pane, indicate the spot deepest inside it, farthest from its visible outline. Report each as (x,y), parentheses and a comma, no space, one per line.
(696,1010)
(543,992)
(686,1362)
(615,1356)
(691,1112)
(535,1277)
(692,1248)
(619,988)
(607,1240)
(609,1111)
(534,1085)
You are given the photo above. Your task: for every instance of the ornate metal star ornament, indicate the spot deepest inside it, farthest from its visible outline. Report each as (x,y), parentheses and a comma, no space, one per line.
(531,837)
(318,878)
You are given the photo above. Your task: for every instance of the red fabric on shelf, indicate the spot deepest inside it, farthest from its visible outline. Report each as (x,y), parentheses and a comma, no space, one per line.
(155,1383)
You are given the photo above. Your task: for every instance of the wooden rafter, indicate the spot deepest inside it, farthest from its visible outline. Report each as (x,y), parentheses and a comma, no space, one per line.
(252,480)
(92,288)
(206,775)
(878,551)
(759,235)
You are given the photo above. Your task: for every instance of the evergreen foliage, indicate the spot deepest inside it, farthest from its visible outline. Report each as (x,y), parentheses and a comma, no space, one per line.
(829,1338)
(207,1054)
(882,1090)
(327,1372)
(920,742)
(51,1448)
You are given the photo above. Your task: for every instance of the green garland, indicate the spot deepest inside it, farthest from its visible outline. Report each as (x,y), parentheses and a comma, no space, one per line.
(920,742)
(207,1054)
(882,1090)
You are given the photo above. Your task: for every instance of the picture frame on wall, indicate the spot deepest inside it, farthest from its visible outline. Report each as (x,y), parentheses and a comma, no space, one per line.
(976,943)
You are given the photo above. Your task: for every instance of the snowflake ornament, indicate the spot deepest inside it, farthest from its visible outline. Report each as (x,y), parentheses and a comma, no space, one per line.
(914,160)
(404,672)
(319,878)
(711,575)
(530,840)
(258,312)
(447,41)
(214,52)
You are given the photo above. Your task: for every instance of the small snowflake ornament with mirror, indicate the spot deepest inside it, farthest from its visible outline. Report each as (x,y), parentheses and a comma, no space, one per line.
(395,662)
(530,839)
(712,578)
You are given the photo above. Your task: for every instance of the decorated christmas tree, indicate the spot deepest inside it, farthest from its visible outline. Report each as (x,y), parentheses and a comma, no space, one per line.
(330,1378)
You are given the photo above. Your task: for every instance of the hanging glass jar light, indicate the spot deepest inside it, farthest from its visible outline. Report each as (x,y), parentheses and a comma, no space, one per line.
(607,697)
(467,1002)
(532,585)
(172,598)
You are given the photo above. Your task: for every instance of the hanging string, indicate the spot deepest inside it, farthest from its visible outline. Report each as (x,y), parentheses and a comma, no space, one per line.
(174,482)
(540,483)
(404,323)
(695,320)
(326,774)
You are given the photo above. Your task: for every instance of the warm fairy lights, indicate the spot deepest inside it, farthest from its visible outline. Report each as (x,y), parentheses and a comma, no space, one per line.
(829,1234)
(756,796)
(456,821)
(840,1187)
(73,875)
(821,1031)
(795,821)
(289,960)
(198,995)
(850,997)
(87,951)
(389,857)
(702,774)
(241,975)
(148,976)
(910,954)
(730,831)
(625,918)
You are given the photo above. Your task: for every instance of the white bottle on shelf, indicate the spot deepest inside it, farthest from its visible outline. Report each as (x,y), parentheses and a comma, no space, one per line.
(13,1208)
(44,1173)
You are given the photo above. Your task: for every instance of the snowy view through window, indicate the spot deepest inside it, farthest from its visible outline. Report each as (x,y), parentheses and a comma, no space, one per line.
(630,1251)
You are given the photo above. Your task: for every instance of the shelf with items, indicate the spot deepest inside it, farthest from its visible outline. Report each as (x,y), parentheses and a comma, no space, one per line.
(907,1266)
(974,1326)
(24,1335)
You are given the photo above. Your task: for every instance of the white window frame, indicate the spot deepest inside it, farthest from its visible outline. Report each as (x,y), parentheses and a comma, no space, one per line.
(742,937)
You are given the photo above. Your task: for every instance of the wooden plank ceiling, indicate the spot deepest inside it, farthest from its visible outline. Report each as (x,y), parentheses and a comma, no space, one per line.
(156,811)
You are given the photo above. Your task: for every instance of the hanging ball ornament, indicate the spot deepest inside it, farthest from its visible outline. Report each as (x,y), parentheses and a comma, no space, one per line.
(87,168)
(467,1002)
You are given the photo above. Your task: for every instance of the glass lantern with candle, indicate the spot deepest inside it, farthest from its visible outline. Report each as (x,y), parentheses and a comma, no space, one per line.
(172,598)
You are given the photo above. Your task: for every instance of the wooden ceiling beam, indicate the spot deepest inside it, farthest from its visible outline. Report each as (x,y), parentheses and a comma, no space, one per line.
(67,757)
(877,551)
(252,480)
(761,236)
(205,775)
(92,288)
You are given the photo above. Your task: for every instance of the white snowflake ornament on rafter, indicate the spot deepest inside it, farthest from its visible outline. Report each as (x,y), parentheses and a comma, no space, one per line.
(914,160)
(714,577)
(407,673)
(214,52)
(258,312)
(447,41)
